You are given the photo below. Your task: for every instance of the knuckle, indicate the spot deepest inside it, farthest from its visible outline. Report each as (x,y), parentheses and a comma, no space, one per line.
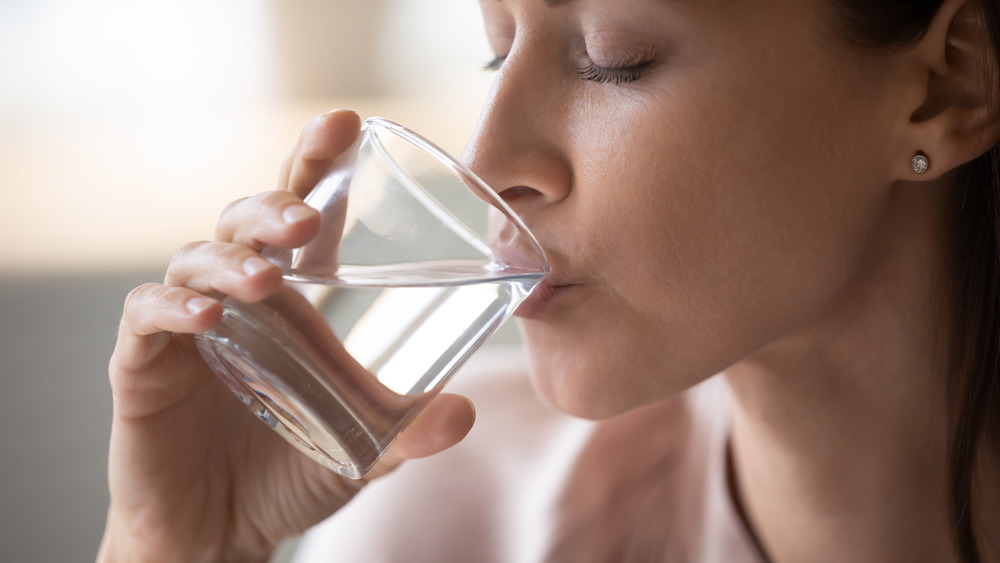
(186,250)
(222,225)
(230,207)
(139,297)
(276,199)
(176,270)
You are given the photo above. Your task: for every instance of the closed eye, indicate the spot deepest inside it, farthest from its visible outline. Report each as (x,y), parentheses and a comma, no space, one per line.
(592,72)
(494,64)
(620,75)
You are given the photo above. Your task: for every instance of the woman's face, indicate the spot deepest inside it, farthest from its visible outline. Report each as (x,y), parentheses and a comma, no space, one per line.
(705,176)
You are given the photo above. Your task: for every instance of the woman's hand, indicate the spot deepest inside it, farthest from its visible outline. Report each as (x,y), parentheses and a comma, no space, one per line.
(194,476)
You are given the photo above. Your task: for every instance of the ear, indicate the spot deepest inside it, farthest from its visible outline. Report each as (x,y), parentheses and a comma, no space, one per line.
(953,94)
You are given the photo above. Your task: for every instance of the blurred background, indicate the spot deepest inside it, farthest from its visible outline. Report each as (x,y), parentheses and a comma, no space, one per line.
(125,127)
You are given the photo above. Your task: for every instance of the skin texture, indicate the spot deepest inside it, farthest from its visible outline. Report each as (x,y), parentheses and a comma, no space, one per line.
(747,206)
(737,200)
(747,225)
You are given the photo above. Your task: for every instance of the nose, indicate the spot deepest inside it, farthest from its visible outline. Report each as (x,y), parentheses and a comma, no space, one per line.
(519,146)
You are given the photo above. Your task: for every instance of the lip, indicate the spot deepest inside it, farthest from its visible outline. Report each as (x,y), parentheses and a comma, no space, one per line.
(543,295)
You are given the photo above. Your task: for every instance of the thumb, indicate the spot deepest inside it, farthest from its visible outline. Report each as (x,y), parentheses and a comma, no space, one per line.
(322,140)
(443,423)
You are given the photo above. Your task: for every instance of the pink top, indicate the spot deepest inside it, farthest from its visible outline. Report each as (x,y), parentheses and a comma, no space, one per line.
(530,484)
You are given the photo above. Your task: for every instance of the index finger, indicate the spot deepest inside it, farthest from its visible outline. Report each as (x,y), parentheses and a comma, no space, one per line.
(322,140)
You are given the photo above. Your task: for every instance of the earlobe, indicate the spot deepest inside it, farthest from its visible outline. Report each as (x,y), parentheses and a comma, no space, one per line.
(958,118)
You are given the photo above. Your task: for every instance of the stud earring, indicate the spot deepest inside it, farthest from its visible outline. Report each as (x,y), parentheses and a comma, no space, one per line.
(920,163)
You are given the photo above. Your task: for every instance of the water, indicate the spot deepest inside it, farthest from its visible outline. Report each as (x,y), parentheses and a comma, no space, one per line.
(339,365)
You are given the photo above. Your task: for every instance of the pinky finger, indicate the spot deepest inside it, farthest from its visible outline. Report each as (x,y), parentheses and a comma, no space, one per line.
(153,308)
(154,312)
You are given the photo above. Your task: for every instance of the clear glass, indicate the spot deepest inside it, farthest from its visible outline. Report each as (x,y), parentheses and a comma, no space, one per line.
(417,263)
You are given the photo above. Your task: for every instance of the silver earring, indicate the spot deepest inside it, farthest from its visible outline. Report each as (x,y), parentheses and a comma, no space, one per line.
(920,163)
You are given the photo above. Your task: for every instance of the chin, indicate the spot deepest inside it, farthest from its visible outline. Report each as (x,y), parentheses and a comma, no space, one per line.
(590,376)
(581,388)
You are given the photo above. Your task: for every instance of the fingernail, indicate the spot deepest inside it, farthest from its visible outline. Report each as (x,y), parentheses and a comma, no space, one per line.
(199,304)
(338,110)
(296,213)
(254,265)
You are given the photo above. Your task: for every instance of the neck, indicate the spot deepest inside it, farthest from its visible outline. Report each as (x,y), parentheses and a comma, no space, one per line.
(840,429)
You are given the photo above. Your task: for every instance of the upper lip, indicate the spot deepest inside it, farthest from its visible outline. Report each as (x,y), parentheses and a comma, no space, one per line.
(514,250)
(554,279)
(518,256)
(557,276)
(553,283)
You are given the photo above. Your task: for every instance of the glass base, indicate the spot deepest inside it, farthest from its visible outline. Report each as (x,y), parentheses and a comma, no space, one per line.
(288,396)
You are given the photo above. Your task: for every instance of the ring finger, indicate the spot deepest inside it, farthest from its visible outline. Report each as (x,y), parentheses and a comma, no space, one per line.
(223,268)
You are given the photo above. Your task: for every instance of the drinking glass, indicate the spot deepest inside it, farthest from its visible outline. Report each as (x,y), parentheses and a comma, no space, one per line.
(416,264)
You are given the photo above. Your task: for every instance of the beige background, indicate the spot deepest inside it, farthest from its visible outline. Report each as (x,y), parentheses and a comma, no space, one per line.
(124,128)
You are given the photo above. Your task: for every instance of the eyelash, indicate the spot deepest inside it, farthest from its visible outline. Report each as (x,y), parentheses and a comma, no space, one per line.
(592,72)
(495,64)
(620,75)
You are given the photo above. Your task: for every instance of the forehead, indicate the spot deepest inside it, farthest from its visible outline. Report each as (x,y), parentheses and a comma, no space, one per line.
(805,14)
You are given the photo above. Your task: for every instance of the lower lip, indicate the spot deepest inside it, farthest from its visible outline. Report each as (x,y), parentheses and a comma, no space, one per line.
(539,299)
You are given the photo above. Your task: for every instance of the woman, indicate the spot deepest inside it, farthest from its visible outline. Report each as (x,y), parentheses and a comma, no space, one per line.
(799,194)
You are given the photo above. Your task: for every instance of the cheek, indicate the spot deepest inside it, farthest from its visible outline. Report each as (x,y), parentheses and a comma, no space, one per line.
(713,224)
(738,200)
(713,216)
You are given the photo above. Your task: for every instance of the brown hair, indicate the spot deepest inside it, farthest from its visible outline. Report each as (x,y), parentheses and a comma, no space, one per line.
(974,383)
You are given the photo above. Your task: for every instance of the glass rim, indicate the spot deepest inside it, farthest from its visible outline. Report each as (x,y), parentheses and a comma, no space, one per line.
(457,167)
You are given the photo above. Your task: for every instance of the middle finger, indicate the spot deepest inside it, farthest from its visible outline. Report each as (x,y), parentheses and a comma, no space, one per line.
(223,268)
(275,218)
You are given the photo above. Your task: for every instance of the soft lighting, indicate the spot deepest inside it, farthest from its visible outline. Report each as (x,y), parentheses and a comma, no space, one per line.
(126,126)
